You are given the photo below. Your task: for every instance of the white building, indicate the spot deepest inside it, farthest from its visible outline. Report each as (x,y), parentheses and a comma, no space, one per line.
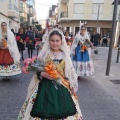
(74,13)
(9,12)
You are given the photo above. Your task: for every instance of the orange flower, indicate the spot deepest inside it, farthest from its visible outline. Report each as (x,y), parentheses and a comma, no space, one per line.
(4,43)
(68,43)
(51,71)
(84,48)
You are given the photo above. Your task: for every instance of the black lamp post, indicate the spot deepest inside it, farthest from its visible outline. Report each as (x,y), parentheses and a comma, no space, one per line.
(112,37)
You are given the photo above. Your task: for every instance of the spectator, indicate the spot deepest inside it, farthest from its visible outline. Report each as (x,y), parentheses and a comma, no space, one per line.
(105,41)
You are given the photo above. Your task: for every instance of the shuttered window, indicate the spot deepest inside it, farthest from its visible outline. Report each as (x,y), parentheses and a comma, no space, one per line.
(95,8)
(78,8)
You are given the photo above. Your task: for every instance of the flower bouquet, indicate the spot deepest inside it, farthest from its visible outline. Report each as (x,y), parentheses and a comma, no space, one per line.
(85,45)
(4,42)
(38,45)
(18,38)
(27,39)
(69,43)
(37,39)
(83,48)
(32,64)
(50,69)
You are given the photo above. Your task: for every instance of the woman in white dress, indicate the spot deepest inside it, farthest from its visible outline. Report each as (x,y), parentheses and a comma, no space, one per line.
(81,56)
(9,54)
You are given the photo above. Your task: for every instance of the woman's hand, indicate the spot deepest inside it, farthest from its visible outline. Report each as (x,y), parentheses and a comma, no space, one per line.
(4,48)
(46,75)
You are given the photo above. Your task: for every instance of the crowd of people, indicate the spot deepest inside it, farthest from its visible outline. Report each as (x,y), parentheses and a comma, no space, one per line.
(97,40)
(68,55)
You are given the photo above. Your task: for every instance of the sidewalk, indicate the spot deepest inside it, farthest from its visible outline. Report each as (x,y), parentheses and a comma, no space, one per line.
(100,64)
(99,98)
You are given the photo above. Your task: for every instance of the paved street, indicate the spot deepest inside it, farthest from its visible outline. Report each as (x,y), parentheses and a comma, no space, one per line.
(99,98)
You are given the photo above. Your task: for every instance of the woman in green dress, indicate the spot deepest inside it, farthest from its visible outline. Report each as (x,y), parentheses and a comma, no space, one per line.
(49,98)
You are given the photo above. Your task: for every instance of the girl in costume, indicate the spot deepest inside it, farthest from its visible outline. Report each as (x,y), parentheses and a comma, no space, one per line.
(9,54)
(48,98)
(81,54)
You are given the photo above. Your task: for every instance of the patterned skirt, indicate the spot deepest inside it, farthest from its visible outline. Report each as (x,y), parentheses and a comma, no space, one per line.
(5,57)
(49,103)
(7,66)
(52,102)
(82,62)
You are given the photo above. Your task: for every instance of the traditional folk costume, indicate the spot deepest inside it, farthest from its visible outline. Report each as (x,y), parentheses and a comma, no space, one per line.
(51,100)
(9,58)
(82,60)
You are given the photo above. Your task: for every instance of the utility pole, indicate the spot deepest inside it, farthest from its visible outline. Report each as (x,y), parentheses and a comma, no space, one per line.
(112,37)
(118,44)
(98,18)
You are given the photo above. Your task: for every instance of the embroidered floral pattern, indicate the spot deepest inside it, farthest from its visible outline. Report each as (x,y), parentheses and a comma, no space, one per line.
(84,68)
(29,103)
(8,70)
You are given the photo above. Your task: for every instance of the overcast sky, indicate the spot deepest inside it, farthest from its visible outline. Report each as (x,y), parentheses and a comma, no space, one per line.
(42,10)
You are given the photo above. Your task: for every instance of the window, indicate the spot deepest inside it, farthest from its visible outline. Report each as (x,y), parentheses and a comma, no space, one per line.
(21,4)
(77,30)
(68,29)
(78,8)
(97,6)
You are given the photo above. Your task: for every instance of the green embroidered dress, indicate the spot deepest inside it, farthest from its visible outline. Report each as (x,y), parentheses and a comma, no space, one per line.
(53,100)
(50,100)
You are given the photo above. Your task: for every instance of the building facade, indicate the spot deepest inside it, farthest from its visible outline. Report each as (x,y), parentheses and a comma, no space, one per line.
(27,13)
(9,12)
(53,15)
(96,15)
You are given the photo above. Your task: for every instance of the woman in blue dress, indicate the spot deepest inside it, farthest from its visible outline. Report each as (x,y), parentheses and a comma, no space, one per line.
(81,54)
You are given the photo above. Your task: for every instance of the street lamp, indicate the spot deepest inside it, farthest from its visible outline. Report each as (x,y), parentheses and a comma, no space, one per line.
(98,18)
(118,43)
(112,37)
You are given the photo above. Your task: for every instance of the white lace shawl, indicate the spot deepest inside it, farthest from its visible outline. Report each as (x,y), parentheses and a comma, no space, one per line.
(78,38)
(69,69)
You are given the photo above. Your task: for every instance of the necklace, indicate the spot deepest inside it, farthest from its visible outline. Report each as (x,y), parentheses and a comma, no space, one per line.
(4,34)
(55,54)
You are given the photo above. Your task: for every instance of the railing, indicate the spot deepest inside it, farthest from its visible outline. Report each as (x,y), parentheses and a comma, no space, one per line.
(13,7)
(64,14)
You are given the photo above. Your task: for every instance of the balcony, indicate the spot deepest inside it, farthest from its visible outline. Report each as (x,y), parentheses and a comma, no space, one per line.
(64,1)
(64,14)
(13,11)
